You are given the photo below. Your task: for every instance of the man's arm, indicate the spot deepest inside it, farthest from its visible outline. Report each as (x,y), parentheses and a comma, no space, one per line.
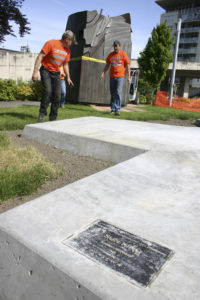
(104,71)
(128,73)
(38,61)
(66,70)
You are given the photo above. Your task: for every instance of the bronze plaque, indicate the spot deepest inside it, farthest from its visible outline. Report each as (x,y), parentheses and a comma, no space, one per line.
(137,259)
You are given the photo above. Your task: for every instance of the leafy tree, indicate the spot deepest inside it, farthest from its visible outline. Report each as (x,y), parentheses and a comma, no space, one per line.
(144,87)
(156,57)
(9,11)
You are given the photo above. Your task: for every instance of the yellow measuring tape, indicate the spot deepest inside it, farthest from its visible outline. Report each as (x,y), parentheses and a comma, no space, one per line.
(87,58)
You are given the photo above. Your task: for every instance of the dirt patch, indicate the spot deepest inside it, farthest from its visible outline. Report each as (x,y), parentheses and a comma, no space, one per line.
(18,103)
(175,122)
(130,107)
(76,167)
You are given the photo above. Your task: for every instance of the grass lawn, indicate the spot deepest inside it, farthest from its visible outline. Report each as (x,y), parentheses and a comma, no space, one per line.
(22,170)
(14,118)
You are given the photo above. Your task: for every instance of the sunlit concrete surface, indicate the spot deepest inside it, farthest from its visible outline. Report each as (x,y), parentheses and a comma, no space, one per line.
(153,191)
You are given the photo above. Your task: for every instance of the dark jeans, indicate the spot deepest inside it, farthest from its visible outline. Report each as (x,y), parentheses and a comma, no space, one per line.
(51,92)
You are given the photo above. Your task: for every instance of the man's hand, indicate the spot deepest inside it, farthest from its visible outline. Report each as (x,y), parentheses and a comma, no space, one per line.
(102,76)
(129,80)
(39,58)
(70,82)
(35,76)
(107,66)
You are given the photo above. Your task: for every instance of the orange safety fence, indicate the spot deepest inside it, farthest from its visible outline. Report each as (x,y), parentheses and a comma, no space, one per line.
(162,99)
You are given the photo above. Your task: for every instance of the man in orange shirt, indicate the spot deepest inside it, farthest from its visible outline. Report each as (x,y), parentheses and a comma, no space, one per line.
(119,63)
(53,54)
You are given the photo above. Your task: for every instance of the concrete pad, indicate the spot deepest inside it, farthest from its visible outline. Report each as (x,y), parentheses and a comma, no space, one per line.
(153,192)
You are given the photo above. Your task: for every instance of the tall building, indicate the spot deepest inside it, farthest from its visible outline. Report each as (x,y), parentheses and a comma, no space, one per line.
(189,46)
(189,12)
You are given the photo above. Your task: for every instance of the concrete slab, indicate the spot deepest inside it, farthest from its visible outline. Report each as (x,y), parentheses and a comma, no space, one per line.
(153,192)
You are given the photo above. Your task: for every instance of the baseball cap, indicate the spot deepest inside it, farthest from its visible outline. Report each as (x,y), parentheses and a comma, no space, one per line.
(116,42)
(70,35)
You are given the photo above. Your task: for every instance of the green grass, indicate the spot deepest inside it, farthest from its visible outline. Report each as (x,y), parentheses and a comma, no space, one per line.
(4,141)
(17,117)
(165,113)
(22,170)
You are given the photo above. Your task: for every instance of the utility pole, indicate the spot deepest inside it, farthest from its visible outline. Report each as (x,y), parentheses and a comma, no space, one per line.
(174,63)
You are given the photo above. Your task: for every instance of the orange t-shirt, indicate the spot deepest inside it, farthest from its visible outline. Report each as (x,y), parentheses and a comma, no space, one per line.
(56,55)
(118,62)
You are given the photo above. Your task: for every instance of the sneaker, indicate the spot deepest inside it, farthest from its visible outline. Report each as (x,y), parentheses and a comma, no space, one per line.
(117,113)
(41,117)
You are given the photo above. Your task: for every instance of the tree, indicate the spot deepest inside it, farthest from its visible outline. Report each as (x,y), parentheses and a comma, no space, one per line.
(156,57)
(9,11)
(144,87)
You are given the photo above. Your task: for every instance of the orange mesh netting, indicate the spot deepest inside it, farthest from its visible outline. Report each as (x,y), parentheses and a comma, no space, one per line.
(162,99)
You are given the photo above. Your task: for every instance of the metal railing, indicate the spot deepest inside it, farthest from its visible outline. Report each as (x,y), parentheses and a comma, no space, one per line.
(189,40)
(190,29)
(187,59)
(187,51)
(191,18)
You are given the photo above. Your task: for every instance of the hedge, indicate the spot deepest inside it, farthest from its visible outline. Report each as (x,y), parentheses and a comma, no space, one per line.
(11,90)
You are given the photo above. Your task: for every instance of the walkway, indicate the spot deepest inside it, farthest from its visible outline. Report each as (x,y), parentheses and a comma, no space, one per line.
(151,193)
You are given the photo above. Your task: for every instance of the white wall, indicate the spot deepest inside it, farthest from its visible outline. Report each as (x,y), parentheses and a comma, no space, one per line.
(17,65)
(196,83)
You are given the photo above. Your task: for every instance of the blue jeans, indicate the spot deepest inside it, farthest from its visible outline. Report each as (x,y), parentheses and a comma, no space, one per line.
(116,84)
(63,92)
(50,92)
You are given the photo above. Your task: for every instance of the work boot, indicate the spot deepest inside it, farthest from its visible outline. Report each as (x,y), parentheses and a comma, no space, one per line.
(41,117)
(52,118)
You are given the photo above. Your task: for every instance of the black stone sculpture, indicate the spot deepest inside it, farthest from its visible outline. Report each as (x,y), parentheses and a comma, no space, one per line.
(95,35)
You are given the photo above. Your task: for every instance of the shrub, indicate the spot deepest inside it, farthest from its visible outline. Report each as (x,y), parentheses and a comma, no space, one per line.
(8,90)
(24,92)
(144,87)
(36,90)
(150,98)
(143,99)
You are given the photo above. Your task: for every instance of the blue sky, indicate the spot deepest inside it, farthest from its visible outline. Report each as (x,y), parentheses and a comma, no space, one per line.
(48,19)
